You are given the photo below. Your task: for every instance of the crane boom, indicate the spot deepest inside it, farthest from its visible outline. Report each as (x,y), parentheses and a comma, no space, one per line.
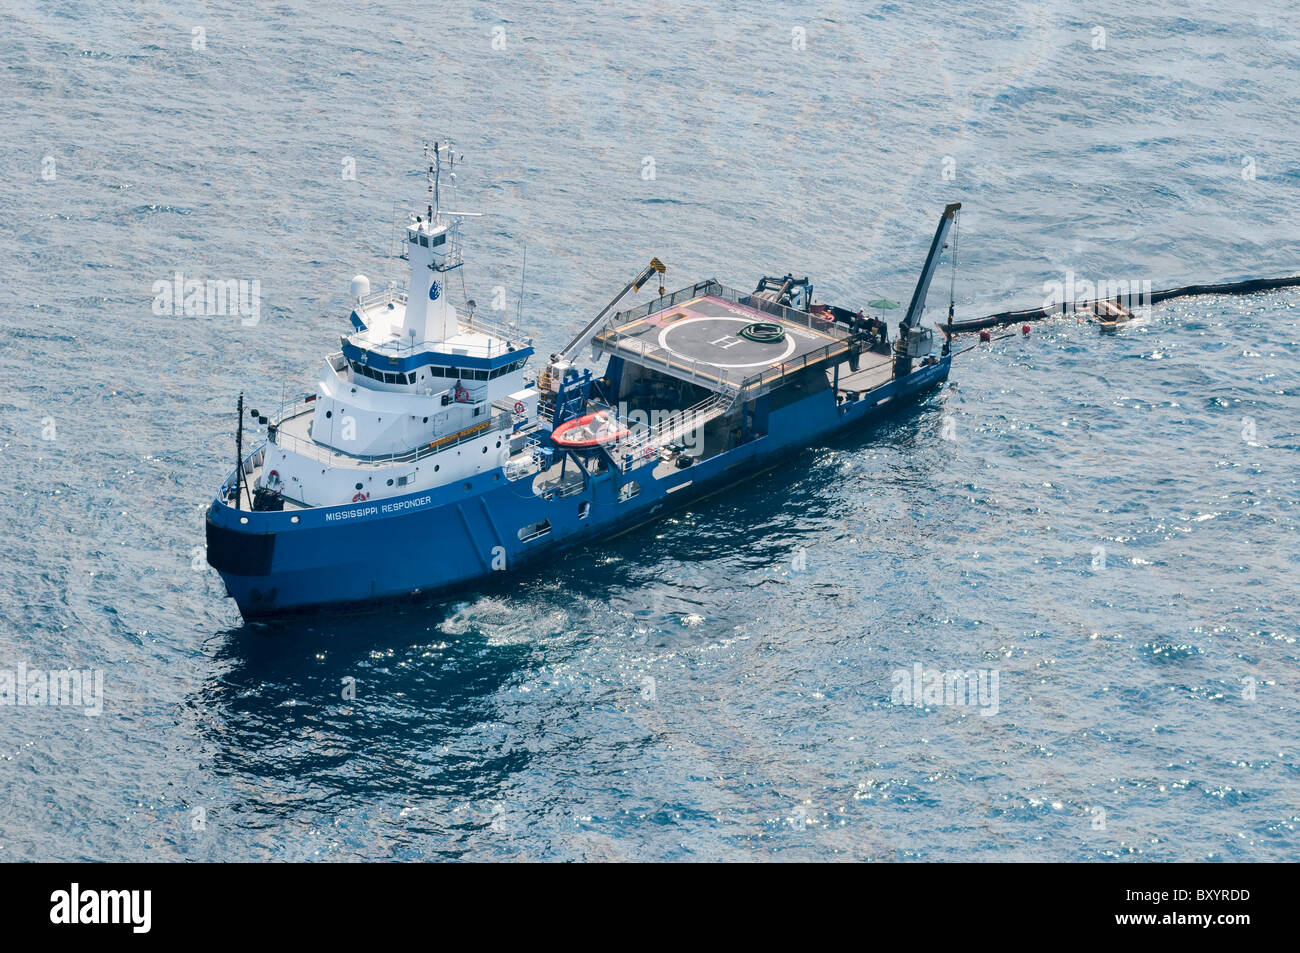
(574,347)
(913,318)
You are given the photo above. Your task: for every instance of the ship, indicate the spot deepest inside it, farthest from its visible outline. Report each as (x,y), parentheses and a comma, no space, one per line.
(430,457)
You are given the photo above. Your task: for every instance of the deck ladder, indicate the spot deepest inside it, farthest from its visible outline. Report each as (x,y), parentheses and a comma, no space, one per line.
(638,446)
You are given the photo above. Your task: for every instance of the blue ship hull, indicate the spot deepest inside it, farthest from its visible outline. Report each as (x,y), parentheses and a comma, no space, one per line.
(454,536)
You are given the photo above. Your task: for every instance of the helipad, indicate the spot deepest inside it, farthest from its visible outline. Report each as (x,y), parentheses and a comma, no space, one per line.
(700,340)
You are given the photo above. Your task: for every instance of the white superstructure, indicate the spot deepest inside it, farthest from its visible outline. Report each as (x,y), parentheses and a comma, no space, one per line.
(421,393)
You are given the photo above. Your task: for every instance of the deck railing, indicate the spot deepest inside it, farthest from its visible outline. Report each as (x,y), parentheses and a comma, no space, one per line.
(710,375)
(758,383)
(640,446)
(714,377)
(309,448)
(506,335)
(715,289)
(696,371)
(532,460)
(697,290)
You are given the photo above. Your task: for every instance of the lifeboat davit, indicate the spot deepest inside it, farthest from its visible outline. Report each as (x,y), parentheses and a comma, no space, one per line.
(590,430)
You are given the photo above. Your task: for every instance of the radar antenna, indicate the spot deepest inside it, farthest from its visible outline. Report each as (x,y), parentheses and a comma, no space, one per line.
(435,155)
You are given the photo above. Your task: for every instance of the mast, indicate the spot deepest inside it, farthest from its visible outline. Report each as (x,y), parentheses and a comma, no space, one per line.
(434,176)
(432,246)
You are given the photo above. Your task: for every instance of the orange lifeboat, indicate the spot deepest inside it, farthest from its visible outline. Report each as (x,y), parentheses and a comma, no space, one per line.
(590,430)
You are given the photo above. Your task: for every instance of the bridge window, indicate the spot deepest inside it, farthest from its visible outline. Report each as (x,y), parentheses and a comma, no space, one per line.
(505,369)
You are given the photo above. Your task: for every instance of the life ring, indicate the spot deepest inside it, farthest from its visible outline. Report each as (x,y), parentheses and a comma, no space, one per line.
(462,395)
(273,477)
(519,407)
(360,497)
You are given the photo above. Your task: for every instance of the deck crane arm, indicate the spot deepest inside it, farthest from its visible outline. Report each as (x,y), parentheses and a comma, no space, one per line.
(574,347)
(560,362)
(913,340)
(913,318)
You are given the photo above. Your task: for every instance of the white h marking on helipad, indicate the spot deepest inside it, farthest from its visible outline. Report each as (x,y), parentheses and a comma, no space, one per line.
(726,337)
